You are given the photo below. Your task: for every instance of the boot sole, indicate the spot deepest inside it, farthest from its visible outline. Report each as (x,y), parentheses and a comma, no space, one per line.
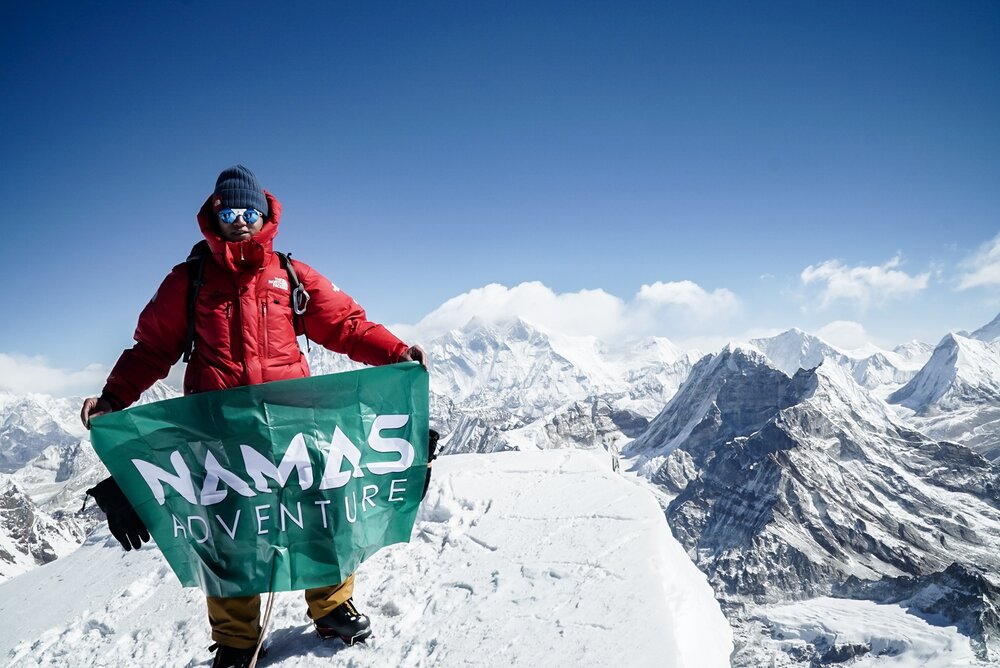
(357,638)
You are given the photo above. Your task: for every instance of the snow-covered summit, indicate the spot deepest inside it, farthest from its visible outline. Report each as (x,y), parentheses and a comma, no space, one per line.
(545,558)
(961,370)
(988,332)
(795,349)
(956,395)
(681,416)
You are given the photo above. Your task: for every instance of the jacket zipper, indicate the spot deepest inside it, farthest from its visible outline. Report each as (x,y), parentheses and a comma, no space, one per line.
(263,324)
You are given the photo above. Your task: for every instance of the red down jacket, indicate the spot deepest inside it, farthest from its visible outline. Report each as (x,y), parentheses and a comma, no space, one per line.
(244,329)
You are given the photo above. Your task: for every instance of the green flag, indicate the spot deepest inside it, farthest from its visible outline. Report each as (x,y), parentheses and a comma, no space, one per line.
(275,487)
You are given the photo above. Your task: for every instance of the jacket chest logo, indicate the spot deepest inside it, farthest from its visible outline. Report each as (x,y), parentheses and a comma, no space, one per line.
(279,283)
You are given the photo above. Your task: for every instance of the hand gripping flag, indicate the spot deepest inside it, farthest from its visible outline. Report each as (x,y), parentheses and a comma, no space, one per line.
(275,487)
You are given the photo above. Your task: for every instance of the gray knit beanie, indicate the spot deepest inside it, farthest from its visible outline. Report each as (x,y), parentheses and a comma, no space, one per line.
(237,188)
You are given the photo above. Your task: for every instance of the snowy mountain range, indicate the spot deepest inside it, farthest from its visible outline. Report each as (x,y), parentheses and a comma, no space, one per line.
(48,464)
(871,368)
(789,469)
(789,487)
(516,386)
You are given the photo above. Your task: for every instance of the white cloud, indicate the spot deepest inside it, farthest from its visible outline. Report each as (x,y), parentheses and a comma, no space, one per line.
(20,373)
(845,334)
(689,295)
(863,285)
(586,312)
(982,269)
(666,309)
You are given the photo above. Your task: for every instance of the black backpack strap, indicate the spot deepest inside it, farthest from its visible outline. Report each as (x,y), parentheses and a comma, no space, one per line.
(196,268)
(300,298)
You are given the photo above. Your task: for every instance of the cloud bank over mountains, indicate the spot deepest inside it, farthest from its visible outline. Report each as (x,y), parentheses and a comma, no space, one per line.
(685,305)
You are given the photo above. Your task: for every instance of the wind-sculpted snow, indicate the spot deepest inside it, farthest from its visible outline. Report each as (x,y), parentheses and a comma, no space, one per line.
(525,559)
(787,487)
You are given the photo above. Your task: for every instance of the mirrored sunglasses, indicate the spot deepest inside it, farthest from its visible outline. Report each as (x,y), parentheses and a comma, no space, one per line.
(250,216)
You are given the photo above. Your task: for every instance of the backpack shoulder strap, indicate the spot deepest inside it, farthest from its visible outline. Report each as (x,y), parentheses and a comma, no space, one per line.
(196,268)
(300,298)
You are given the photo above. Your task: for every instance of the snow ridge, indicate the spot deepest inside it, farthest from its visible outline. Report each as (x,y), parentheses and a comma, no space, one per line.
(545,558)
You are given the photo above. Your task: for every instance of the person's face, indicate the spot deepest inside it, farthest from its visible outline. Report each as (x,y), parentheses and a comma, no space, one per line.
(239,230)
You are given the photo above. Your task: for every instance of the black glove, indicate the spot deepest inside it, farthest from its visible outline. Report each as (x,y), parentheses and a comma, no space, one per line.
(432,444)
(123,521)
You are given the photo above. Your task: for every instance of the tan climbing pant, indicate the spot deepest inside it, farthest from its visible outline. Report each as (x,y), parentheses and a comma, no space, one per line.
(236,621)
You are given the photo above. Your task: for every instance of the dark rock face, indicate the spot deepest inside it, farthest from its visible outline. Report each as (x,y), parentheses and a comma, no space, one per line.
(481,431)
(629,422)
(843,653)
(19,522)
(591,424)
(726,395)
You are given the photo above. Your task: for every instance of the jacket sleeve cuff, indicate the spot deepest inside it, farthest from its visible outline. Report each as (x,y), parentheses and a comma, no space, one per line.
(397,354)
(115,403)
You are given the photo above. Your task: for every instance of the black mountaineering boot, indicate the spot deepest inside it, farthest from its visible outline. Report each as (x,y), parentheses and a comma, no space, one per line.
(231,657)
(346,623)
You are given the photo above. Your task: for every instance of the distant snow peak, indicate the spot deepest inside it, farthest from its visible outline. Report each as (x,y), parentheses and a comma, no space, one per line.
(961,370)
(988,332)
(956,395)
(794,349)
(870,366)
(696,404)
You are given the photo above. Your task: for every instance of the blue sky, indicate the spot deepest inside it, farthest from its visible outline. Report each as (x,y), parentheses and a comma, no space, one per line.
(694,170)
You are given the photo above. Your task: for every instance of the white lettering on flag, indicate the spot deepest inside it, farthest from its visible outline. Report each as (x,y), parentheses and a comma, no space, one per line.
(296,457)
(340,447)
(180,480)
(214,474)
(398,445)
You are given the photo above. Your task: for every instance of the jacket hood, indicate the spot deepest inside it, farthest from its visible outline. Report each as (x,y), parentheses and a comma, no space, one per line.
(236,256)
